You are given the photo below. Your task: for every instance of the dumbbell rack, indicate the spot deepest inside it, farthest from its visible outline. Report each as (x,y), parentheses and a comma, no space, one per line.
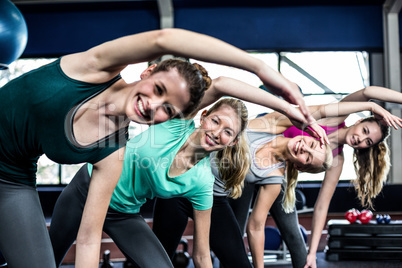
(371,241)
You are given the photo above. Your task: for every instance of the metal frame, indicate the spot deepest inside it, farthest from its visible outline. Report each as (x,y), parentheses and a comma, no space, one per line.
(392,70)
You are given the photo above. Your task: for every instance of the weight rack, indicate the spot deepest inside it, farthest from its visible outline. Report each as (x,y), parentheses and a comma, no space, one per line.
(357,241)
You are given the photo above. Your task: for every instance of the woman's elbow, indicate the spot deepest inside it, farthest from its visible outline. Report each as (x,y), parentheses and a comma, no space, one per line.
(161,37)
(217,83)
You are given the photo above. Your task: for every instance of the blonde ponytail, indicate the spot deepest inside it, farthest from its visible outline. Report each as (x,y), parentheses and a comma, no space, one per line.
(289,198)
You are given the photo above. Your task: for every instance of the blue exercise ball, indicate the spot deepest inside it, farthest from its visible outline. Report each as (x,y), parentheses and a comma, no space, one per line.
(303,232)
(273,238)
(13,33)
(3,262)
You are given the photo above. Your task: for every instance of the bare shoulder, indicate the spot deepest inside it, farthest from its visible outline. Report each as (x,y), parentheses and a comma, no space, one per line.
(83,67)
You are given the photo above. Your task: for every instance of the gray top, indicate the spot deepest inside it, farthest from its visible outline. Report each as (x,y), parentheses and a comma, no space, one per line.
(257,174)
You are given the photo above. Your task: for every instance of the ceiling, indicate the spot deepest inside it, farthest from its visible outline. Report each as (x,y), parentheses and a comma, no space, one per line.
(208,3)
(57,27)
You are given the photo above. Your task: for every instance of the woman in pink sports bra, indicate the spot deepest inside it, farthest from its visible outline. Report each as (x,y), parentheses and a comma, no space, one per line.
(294,131)
(367,137)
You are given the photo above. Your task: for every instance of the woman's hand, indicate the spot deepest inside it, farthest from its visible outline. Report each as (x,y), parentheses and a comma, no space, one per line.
(311,261)
(311,128)
(276,83)
(291,92)
(385,117)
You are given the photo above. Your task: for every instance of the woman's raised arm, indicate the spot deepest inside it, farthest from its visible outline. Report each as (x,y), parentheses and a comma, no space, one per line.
(375,93)
(224,86)
(108,59)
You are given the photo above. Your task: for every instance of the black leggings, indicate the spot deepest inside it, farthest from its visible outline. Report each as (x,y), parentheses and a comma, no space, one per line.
(226,239)
(287,223)
(130,232)
(24,239)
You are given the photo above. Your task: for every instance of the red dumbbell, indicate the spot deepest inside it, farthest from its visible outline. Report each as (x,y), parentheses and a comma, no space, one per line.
(365,216)
(352,215)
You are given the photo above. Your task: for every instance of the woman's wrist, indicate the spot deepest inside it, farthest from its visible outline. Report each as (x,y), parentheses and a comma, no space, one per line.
(311,252)
(258,67)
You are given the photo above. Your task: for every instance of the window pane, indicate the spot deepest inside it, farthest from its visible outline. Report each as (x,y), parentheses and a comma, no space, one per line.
(132,72)
(318,73)
(68,172)
(20,67)
(340,72)
(216,70)
(48,171)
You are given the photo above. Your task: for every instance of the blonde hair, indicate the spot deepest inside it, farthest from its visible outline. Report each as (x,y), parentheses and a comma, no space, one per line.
(289,197)
(234,161)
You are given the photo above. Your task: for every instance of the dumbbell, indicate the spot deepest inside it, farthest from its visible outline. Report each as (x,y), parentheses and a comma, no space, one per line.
(383,218)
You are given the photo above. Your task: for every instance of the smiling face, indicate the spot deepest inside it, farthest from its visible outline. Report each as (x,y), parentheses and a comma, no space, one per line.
(306,152)
(363,135)
(157,97)
(219,129)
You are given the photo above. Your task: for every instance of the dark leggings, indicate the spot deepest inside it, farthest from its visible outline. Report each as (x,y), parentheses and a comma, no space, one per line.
(24,239)
(130,232)
(287,223)
(226,239)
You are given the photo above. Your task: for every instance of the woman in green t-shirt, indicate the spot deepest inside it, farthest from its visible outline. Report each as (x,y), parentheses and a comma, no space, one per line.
(167,160)
(77,108)
(189,149)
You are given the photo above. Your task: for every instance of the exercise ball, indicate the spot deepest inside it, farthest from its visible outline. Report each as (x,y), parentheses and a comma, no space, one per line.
(3,262)
(273,238)
(303,232)
(300,199)
(13,33)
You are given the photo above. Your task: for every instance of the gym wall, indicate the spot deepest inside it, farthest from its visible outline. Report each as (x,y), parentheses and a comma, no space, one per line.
(58,29)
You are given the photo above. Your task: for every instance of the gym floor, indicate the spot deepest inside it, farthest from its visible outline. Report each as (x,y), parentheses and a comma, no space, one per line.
(321,256)
(321,262)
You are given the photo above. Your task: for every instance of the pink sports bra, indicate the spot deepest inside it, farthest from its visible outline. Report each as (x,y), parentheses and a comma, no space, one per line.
(294,131)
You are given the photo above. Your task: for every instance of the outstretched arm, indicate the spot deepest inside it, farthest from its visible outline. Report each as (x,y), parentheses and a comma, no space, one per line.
(256,223)
(105,61)
(104,178)
(343,109)
(321,208)
(201,253)
(224,86)
(375,93)
(333,113)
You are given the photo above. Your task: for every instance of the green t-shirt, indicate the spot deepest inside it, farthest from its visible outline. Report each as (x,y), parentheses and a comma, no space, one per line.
(147,160)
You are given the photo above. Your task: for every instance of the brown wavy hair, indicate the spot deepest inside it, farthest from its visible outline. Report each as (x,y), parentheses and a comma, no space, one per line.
(196,77)
(372,167)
